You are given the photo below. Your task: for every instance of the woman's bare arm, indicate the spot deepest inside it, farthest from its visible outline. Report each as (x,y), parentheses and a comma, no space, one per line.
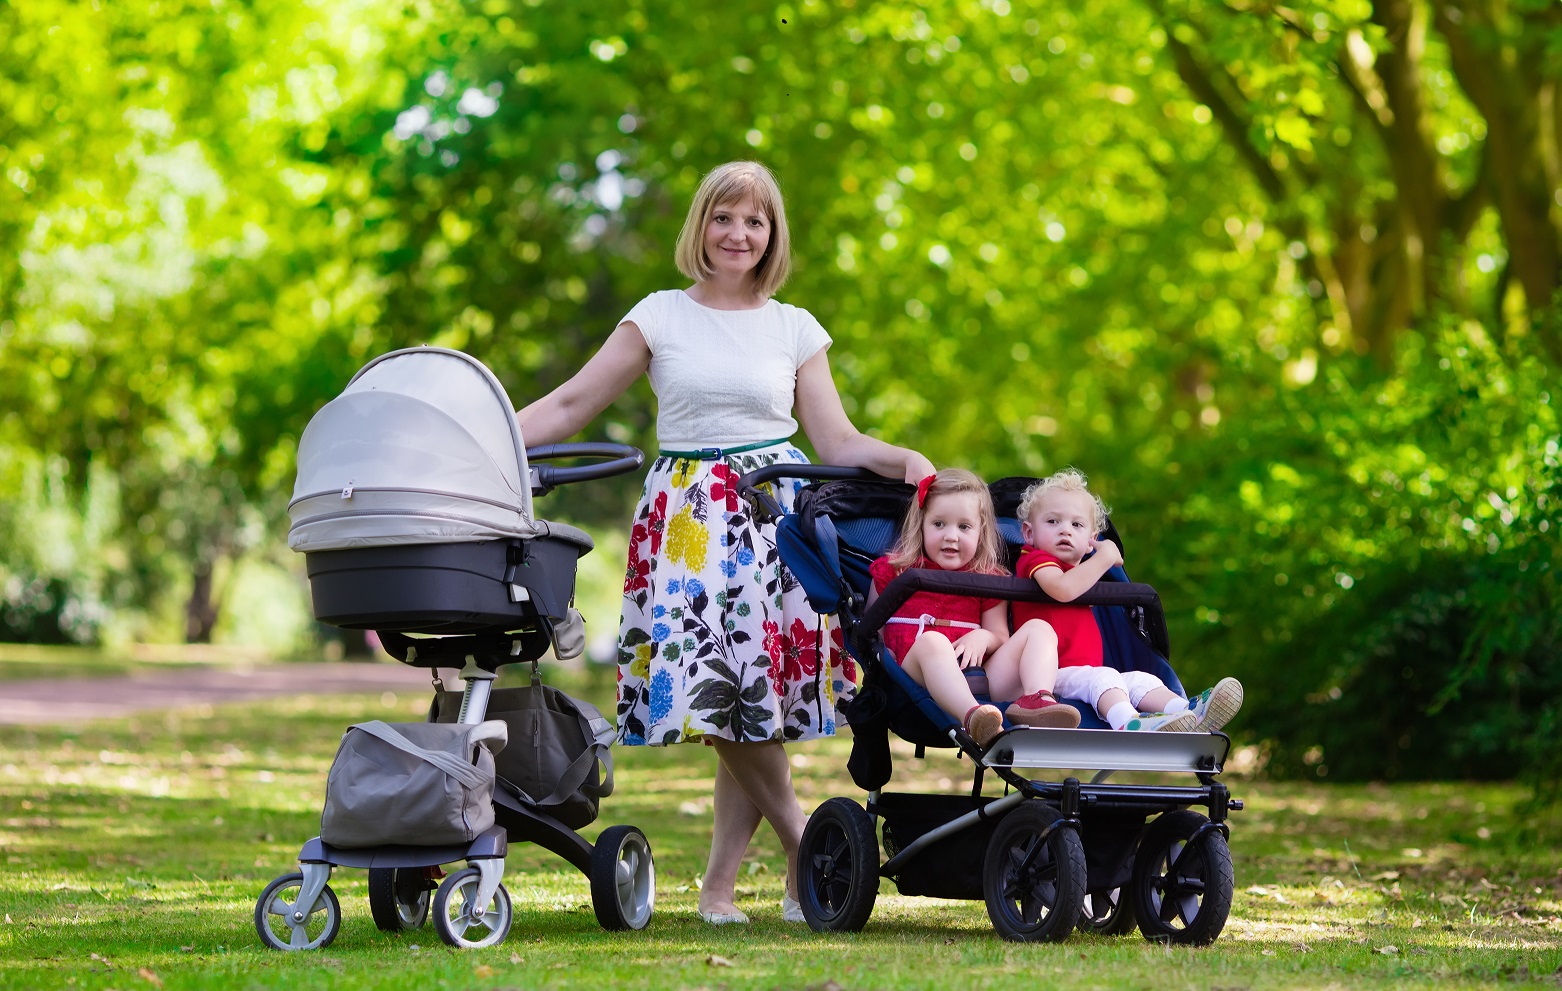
(566,410)
(835,440)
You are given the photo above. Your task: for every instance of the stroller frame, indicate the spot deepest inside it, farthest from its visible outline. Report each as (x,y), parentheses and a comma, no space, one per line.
(1046,856)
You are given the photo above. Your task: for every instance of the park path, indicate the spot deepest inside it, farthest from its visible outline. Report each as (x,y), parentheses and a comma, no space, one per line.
(75,700)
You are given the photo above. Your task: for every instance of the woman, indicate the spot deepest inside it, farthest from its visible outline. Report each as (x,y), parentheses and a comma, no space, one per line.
(715,644)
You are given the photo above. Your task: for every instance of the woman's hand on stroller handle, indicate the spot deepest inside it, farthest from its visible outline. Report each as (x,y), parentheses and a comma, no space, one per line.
(616,459)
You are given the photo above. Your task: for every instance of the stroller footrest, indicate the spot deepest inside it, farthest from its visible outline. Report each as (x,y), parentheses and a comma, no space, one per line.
(1104,749)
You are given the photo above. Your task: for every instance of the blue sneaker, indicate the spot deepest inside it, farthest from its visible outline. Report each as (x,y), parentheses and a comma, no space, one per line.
(1218,705)
(1164,722)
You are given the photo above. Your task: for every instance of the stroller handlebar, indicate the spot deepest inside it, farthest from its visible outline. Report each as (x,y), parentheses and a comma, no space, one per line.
(765,506)
(617,459)
(913,580)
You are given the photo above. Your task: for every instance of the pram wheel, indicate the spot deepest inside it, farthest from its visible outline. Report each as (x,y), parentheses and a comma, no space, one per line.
(283,926)
(1108,913)
(1182,881)
(455,917)
(623,879)
(838,867)
(399,897)
(1034,875)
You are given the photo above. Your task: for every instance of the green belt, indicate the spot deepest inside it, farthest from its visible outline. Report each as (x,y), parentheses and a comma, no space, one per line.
(717,453)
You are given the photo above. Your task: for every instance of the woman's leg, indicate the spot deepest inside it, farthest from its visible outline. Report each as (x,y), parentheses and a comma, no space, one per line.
(735,820)
(763,777)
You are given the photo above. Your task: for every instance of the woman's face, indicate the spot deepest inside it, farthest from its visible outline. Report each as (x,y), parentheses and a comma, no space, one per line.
(736,237)
(951,529)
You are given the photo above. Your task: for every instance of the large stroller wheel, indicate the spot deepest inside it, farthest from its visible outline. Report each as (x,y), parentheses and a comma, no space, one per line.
(455,912)
(1182,882)
(1108,913)
(399,897)
(282,925)
(1034,875)
(623,879)
(838,867)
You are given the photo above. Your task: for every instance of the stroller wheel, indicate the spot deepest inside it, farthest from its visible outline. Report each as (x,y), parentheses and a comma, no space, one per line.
(455,912)
(1108,913)
(399,897)
(623,879)
(838,867)
(1034,875)
(282,925)
(1183,881)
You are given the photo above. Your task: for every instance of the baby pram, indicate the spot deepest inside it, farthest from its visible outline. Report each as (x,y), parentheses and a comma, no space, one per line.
(1046,856)
(413,506)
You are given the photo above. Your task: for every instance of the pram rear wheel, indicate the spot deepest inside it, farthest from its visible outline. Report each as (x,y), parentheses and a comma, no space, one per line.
(1034,875)
(282,925)
(1182,881)
(1108,913)
(455,912)
(399,897)
(623,879)
(838,867)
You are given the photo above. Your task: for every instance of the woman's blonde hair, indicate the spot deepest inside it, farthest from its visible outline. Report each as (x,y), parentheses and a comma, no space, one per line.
(728,184)
(951,481)
(1067,480)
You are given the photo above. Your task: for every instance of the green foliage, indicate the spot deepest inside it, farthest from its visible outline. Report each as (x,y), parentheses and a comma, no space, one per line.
(1278,278)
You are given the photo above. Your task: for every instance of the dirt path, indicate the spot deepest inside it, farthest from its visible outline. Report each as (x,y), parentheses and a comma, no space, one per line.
(62,700)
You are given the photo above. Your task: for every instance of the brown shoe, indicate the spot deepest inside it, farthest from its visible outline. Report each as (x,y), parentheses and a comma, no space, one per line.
(1041,709)
(983,723)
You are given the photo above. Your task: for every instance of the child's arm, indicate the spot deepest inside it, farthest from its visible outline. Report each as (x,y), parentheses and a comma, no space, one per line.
(1066,586)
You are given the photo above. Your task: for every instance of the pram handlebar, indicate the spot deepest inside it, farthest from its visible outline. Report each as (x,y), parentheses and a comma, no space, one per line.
(765,505)
(913,580)
(620,458)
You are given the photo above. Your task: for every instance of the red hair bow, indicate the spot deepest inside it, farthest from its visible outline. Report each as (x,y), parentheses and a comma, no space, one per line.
(922,488)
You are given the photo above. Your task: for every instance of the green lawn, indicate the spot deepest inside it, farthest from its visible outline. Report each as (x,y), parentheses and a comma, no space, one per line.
(131,854)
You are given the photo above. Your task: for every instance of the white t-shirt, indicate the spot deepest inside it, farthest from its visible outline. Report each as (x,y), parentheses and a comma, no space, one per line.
(724,378)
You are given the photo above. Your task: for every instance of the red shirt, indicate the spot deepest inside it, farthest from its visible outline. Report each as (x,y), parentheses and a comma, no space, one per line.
(899,637)
(1079,638)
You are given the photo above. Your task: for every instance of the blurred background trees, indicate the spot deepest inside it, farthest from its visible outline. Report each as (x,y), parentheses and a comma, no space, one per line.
(1280,278)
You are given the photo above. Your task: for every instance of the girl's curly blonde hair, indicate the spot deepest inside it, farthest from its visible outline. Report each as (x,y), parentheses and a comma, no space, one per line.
(951,481)
(1067,480)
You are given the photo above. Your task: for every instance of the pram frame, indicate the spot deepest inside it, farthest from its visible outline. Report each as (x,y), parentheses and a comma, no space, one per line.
(1026,748)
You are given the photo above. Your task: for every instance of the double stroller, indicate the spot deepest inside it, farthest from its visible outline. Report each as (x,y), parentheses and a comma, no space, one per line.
(413,506)
(1047,856)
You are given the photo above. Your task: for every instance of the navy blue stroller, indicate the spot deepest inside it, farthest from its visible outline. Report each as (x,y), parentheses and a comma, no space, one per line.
(1046,856)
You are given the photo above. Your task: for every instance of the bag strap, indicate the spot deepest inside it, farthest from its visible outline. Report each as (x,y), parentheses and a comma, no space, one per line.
(597,730)
(452,765)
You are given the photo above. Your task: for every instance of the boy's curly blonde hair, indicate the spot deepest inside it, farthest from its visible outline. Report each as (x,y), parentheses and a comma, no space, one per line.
(951,481)
(1067,480)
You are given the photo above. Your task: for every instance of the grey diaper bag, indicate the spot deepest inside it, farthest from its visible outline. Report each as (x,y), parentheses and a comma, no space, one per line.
(418,784)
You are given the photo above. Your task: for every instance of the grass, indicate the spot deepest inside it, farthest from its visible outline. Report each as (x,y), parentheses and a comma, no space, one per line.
(132,851)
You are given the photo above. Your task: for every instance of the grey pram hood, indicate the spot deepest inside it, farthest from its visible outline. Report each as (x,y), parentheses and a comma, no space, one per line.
(422,447)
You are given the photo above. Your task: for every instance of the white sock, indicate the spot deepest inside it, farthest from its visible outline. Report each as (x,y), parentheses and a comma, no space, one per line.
(1117,717)
(1177,704)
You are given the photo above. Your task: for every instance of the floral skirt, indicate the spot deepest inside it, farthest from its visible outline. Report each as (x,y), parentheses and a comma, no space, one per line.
(717,638)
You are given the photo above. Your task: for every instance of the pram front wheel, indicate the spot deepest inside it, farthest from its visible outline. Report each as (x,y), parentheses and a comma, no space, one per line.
(456,915)
(283,925)
(1034,875)
(1182,881)
(838,867)
(623,879)
(1108,913)
(399,897)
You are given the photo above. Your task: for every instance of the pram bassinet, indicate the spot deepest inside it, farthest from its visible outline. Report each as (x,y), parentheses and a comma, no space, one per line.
(413,507)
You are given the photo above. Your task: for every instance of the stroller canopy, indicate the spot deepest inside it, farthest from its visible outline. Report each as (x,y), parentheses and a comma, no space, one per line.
(421,447)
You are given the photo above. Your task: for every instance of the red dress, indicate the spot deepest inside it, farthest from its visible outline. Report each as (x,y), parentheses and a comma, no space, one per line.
(899,637)
(1079,638)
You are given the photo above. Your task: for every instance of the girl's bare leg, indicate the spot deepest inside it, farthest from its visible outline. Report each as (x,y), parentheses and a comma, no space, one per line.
(1027,662)
(931,662)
